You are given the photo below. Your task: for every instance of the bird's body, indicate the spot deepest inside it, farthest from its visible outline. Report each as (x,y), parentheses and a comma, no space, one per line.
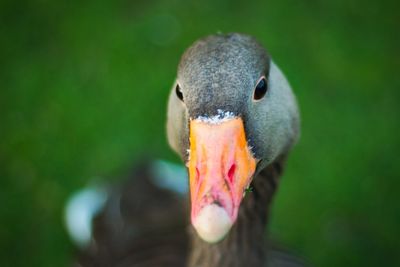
(137,229)
(233,119)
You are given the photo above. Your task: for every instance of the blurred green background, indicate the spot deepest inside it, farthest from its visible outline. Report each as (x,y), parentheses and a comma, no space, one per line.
(83,89)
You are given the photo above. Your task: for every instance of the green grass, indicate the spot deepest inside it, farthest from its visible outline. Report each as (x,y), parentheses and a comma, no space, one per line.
(83,90)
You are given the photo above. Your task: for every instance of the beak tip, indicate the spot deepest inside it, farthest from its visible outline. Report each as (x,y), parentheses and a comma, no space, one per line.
(212,223)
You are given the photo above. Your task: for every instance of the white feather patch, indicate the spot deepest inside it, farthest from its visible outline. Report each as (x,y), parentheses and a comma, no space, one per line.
(221,117)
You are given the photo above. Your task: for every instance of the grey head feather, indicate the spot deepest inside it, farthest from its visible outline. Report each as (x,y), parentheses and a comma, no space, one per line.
(219,73)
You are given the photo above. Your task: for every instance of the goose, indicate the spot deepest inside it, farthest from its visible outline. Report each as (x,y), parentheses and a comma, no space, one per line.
(232,118)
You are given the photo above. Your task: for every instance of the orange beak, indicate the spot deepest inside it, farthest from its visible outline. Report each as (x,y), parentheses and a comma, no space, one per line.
(221,167)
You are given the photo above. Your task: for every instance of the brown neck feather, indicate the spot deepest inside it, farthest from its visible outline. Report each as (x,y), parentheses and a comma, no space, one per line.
(244,245)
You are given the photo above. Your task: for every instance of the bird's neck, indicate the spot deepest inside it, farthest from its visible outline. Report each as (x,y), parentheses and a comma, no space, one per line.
(244,245)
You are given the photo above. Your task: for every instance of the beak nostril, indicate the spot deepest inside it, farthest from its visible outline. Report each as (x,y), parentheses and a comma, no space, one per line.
(231,172)
(197,174)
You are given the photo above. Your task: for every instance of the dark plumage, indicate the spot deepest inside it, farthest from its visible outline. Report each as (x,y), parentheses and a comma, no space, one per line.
(143,225)
(139,221)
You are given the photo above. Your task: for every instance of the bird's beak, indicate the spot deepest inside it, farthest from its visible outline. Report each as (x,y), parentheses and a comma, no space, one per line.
(221,167)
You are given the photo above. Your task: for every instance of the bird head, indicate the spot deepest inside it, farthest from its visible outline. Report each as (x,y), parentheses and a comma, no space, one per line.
(231,112)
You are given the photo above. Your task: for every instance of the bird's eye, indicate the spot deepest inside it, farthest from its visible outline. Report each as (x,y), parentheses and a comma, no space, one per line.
(261,89)
(178,92)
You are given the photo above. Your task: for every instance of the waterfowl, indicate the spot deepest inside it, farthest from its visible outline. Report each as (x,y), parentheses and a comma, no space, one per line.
(232,118)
